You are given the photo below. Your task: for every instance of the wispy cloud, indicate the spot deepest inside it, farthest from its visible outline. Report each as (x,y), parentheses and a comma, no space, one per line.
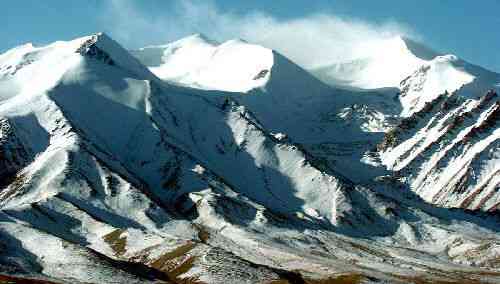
(311,40)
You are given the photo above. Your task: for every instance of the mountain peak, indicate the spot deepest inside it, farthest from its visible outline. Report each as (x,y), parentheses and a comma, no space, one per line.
(386,63)
(194,39)
(200,37)
(234,66)
(89,48)
(400,46)
(103,48)
(418,49)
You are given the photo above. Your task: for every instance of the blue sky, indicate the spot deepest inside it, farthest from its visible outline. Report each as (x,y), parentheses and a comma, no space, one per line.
(470,29)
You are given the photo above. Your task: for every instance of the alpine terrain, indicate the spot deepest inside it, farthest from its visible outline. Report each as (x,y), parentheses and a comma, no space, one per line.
(207,162)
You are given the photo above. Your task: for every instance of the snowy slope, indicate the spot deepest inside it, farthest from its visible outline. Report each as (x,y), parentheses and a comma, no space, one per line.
(112,175)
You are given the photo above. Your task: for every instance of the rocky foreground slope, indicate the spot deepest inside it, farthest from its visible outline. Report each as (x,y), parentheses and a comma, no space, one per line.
(110,174)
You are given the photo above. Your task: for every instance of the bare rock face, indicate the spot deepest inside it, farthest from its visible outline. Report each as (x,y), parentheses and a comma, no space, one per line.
(448,152)
(90,49)
(13,154)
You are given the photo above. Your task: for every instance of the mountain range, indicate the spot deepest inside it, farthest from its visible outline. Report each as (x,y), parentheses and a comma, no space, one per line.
(206,162)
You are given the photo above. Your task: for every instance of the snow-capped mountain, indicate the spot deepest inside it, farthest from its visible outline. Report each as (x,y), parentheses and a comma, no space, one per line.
(443,74)
(220,163)
(285,98)
(388,63)
(234,66)
(420,73)
(445,148)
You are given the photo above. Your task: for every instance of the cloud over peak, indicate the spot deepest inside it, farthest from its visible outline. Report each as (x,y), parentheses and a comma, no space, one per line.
(312,40)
